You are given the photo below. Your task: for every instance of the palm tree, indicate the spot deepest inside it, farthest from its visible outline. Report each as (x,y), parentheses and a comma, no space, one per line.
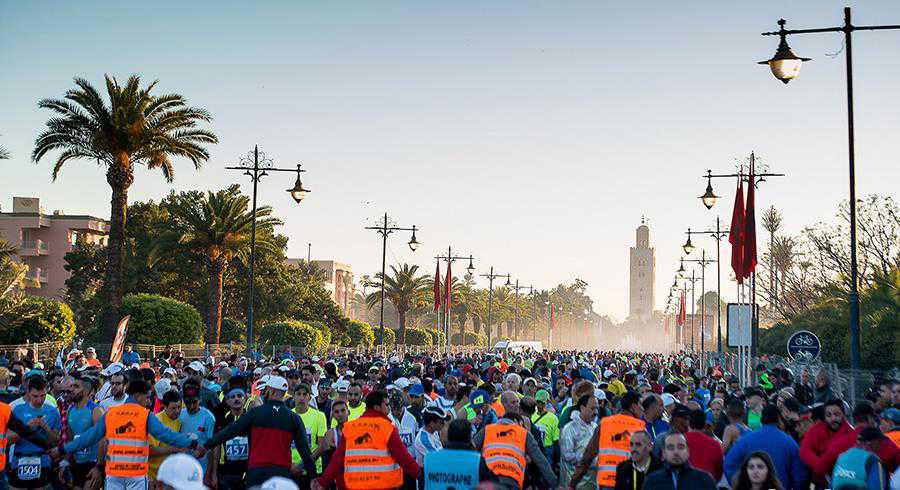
(403,288)
(4,153)
(216,229)
(771,222)
(133,128)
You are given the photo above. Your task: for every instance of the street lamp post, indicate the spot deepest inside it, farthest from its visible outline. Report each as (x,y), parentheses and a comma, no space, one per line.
(718,234)
(384,230)
(449,258)
(256,165)
(703,261)
(785,65)
(491,276)
(516,323)
(709,200)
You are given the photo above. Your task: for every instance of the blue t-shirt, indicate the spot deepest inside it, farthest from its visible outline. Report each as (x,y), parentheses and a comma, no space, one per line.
(202,423)
(80,420)
(129,358)
(25,412)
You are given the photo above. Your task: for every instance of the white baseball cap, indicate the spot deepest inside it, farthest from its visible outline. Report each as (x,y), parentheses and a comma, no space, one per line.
(600,394)
(279,483)
(112,369)
(277,383)
(402,383)
(668,399)
(170,372)
(197,366)
(181,472)
(342,386)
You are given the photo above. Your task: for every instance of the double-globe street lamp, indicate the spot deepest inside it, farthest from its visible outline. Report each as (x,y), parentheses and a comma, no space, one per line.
(703,261)
(385,229)
(256,165)
(693,280)
(785,65)
(709,199)
(516,322)
(718,234)
(450,258)
(491,276)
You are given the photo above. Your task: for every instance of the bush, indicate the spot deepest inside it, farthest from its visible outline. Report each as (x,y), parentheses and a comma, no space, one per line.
(159,320)
(390,335)
(437,337)
(48,320)
(417,336)
(233,330)
(361,334)
(472,338)
(295,333)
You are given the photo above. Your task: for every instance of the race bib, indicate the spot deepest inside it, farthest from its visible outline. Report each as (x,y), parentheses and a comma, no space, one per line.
(237,449)
(407,439)
(309,436)
(29,468)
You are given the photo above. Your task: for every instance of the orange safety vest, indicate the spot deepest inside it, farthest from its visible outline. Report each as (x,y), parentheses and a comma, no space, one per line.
(613,446)
(128,449)
(504,450)
(893,435)
(367,461)
(5,413)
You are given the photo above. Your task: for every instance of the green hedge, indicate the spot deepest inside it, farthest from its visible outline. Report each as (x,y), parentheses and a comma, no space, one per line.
(159,320)
(417,336)
(390,335)
(437,337)
(294,333)
(361,334)
(471,338)
(48,320)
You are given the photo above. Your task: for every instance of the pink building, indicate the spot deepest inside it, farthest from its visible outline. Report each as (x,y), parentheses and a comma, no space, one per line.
(44,239)
(338,281)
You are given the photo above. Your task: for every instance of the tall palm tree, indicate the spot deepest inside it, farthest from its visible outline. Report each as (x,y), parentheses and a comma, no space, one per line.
(4,153)
(215,229)
(403,287)
(134,127)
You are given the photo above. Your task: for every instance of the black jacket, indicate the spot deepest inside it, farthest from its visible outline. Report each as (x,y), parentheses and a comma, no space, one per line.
(688,478)
(625,474)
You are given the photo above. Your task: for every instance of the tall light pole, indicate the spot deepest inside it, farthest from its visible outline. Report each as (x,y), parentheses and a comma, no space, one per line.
(785,65)
(709,200)
(718,234)
(384,230)
(450,258)
(703,261)
(491,276)
(256,165)
(516,324)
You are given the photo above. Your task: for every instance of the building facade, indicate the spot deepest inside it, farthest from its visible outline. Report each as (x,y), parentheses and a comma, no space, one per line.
(43,240)
(642,276)
(338,281)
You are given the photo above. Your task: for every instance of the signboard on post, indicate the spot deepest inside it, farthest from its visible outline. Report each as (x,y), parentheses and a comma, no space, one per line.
(739,325)
(118,346)
(804,346)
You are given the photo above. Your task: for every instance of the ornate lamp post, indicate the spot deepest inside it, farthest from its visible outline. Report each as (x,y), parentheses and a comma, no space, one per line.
(256,165)
(491,276)
(384,230)
(718,234)
(449,258)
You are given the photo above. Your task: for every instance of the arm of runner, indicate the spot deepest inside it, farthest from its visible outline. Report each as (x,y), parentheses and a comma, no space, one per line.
(159,430)
(88,438)
(401,454)
(335,466)
(239,427)
(536,453)
(26,432)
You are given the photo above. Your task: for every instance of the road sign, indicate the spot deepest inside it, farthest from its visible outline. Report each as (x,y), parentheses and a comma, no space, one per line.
(804,346)
(739,322)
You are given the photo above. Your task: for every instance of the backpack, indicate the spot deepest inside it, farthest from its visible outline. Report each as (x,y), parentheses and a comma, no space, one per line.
(851,469)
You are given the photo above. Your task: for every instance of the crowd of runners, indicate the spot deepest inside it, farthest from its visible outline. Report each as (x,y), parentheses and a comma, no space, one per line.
(432,420)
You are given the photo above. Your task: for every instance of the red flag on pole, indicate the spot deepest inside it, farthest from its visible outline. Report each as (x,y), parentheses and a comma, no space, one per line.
(736,234)
(750,227)
(437,287)
(552,317)
(682,315)
(448,288)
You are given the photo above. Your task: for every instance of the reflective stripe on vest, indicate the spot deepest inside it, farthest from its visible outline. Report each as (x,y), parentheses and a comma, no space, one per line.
(367,461)
(504,450)
(128,448)
(614,446)
(5,413)
(447,469)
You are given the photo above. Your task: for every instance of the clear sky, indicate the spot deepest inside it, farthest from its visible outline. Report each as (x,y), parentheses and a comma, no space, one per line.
(531,134)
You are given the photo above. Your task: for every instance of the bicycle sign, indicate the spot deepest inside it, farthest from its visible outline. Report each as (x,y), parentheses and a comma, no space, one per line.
(804,346)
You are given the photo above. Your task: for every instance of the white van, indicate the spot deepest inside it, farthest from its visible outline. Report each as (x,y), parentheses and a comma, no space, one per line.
(516,346)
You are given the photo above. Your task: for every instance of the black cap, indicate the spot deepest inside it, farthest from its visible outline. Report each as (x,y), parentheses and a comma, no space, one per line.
(871,434)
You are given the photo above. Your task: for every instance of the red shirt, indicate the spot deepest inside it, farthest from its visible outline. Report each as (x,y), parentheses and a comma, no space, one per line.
(335,471)
(887,452)
(705,453)
(815,443)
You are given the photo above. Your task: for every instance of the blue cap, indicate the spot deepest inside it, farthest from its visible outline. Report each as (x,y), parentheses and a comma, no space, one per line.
(416,390)
(479,398)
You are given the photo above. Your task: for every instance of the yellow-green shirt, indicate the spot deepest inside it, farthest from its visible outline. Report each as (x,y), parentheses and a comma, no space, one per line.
(316,425)
(548,424)
(355,413)
(155,461)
